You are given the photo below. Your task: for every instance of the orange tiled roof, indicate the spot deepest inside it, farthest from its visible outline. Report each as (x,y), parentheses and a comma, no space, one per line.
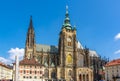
(113,63)
(29,62)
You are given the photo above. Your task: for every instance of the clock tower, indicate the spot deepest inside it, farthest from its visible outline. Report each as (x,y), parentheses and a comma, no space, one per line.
(67,48)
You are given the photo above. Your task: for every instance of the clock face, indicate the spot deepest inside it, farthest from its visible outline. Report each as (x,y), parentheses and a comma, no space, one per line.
(69,39)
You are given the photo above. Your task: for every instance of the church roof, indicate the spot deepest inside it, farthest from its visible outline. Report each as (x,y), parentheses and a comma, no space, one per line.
(46,48)
(79,45)
(93,53)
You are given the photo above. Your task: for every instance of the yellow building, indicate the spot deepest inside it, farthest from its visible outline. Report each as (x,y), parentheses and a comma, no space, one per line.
(5,72)
(112,70)
(68,61)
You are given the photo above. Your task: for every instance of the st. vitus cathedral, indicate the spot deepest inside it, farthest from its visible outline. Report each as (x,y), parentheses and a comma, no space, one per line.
(68,61)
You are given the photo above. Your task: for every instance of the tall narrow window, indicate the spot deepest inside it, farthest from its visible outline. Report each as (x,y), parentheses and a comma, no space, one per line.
(87,78)
(83,77)
(46,74)
(24,72)
(30,72)
(80,77)
(35,72)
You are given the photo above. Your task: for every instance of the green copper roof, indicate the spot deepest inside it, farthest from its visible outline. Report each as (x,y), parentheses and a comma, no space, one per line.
(67,20)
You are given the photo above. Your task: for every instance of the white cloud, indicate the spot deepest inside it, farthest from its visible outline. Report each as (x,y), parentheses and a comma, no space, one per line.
(12,53)
(117,52)
(16,51)
(117,37)
(4,60)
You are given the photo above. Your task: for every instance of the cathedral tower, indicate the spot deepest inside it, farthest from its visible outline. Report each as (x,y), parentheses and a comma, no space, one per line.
(30,41)
(67,48)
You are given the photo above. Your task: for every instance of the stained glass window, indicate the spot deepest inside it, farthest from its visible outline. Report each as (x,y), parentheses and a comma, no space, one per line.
(69,58)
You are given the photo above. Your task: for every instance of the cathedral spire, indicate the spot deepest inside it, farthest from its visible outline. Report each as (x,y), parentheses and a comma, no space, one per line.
(30,40)
(67,20)
(31,23)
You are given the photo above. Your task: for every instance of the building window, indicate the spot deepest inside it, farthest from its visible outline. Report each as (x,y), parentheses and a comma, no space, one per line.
(30,77)
(20,71)
(24,72)
(40,72)
(30,72)
(23,76)
(35,72)
(35,77)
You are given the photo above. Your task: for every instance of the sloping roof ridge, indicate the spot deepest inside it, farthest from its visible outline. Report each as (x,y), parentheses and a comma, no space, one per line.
(113,62)
(4,65)
(29,61)
(116,60)
(93,52)
(79,44)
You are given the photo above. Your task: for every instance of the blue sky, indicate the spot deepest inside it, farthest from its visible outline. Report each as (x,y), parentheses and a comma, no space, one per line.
(97,23)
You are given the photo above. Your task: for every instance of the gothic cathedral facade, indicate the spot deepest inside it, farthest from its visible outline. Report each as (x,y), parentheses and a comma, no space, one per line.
(68,61)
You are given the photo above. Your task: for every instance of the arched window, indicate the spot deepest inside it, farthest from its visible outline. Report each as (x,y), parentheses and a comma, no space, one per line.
(83,77)
(80,77)
(87,78)
(70,72)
